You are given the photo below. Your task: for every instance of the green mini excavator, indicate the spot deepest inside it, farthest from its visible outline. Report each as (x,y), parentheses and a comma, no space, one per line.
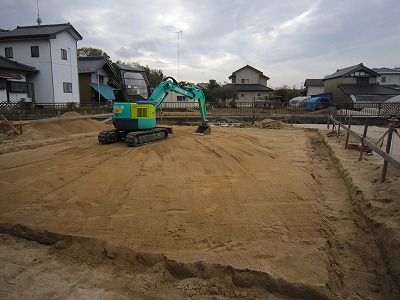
(134,113)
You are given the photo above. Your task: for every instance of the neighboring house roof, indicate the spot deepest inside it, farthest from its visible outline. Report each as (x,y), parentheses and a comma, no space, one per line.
(393,86)
(91,64)
(368,89)
(395,99)
(12,65)
(350,70)
(386,70)
(248,67)
(370,98)
(203,85)
(39,32)
(313,82)
(250,87)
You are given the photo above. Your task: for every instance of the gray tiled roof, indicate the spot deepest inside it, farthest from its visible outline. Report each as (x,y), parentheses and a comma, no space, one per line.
(346,71)
(38,31)
(248,67)
(250,87)
(90,64)
(9,64)
(386,70)
(314,82)
(367,89)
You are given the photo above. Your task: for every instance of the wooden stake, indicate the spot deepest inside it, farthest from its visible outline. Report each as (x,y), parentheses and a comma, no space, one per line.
(5,121)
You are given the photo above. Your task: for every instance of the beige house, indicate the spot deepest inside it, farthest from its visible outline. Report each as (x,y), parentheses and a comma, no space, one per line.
(356,83)
(251,84)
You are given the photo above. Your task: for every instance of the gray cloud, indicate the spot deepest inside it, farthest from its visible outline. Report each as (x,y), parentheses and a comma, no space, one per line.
(288,40)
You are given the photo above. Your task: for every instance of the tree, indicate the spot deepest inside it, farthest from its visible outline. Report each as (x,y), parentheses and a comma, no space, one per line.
(215,92)
(285,93)
(90,52)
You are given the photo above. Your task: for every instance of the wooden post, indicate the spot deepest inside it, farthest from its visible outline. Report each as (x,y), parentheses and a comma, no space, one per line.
(6,122)
(254,111)
(340,122)
(328,121)
(362,141)
(388,148)
(186,114)
(348,134)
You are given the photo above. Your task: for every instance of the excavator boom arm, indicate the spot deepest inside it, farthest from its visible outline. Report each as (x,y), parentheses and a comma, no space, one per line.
(165,87)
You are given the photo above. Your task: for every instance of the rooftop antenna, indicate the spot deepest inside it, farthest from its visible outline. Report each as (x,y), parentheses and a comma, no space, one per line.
(38,19)
(180,32)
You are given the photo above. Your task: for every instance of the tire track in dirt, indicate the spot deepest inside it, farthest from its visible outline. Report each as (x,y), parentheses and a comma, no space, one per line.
(356,268)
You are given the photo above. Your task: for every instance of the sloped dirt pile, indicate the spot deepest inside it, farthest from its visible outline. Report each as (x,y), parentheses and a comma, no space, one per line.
(50,131)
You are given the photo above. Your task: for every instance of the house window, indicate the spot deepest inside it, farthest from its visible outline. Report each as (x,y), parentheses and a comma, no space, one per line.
(180,98)
(34,51)
(244,80)
(18,87)
(362,80)
(64,54)
(3,84)
(101,79)
(242,95)
(383,79)
(67,87)
(9,52)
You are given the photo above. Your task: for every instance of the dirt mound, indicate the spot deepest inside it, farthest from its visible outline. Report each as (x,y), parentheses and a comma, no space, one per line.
(71,114)
(267,123)
(50,131)
(68,127)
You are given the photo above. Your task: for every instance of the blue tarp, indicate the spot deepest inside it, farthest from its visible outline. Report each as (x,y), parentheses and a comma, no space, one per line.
(318,103)
(105,90)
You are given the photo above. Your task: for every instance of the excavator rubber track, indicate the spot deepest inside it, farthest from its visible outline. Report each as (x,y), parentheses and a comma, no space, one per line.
(111,136)
(134,138)
(138,138)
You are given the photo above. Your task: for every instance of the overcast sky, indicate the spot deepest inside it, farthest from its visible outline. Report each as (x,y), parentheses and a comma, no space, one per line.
(288,40)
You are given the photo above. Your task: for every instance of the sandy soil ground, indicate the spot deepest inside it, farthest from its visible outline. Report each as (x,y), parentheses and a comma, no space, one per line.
(243,213)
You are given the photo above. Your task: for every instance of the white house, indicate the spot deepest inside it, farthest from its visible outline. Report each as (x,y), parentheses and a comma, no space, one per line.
(389,77)
(14,78)
(51,50)
(313,87)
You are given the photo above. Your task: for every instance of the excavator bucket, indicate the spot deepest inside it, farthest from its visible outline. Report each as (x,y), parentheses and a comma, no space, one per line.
(203,130)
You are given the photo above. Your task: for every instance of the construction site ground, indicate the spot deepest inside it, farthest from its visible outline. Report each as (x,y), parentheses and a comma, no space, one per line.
(260,212)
